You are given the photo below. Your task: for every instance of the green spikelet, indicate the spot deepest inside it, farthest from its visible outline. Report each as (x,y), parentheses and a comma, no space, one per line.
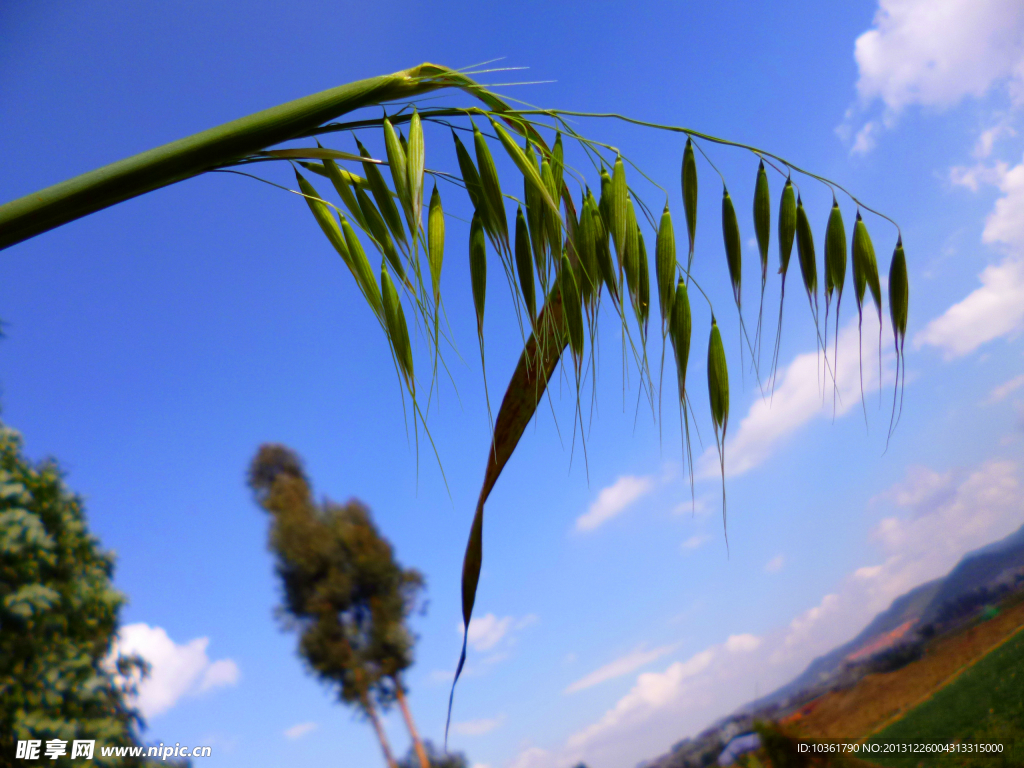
(435,242)
(631,257)
(763,231)
(478,269)
(586,243)
(865,272)
(551,225)
(899,302)
(470,176)
(344,190)
(524,266)
(573,311)
(805,252)
(787,227)
(398,331)
(617,207)
(379,233)
(787,231)
(557,161)
(492,196)
(690,197)
(381,193)
(733,245)
(601,247)
(535,220)
(399,171)
(338,237)
(679,328)
(644,288)
(762,219)
(361,268)
(414,170)
(665,265)
(718,393)
(835,269)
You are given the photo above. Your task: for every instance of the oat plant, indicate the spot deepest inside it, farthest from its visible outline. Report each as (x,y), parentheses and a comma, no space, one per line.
(575,200)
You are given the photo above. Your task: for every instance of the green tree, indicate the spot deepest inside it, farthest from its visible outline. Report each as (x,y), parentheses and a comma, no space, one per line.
(436,758)
(58,617)
(343,591)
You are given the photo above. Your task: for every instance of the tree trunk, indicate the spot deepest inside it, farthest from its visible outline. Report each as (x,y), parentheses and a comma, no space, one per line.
(371,712)
(420,752)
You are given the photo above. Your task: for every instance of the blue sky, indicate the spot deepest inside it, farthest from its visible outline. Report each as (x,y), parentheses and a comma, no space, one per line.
(153,346)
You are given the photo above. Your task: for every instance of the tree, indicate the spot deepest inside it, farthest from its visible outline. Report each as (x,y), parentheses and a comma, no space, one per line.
(343,591)
(436,758)
(562,243)
(58,618)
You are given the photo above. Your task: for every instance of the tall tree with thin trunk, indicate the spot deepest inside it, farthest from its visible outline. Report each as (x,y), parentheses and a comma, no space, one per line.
(343,591)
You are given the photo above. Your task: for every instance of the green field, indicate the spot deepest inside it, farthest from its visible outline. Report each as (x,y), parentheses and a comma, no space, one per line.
(984,705)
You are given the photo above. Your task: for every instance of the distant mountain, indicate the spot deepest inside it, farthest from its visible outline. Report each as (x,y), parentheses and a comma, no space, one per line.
(908,607)
(980,576)
(1001,562)
(983,568)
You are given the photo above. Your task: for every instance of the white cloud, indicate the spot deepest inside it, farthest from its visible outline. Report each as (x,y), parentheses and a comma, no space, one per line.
(994,310)
(621,666)
(937,517)
(176,670)
(478,727)
(866,138)
(920,486)
(613,500)
(944,516)
(977,175)
(695,542)
(999,393)
(1005,225)
(936,52)
(775,564)
(486,631)
(300,730)
(652,691)
(988,138)
(868,571)
(220,673)
(533,757)
(742,643)
(698,506)
(798,398)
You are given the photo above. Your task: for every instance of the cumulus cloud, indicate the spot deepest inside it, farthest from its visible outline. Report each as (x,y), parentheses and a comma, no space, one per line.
(936,52)
(621,666)
(936,517)
(942,515)
(488,631)
(742,643)
(478,727)
(798,399)
(614,500)
(300,730)
(996,308)
(988,138)
(775,564)
(866,138)
(176,670)
(999,393)
(696,542)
